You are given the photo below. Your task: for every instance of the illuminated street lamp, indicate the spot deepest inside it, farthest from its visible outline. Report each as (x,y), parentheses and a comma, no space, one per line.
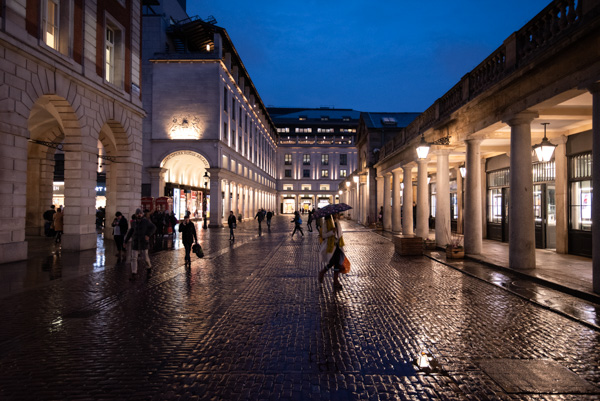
(422,149)
(545,149)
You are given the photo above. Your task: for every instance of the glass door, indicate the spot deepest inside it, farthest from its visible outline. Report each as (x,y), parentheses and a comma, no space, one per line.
(550,216)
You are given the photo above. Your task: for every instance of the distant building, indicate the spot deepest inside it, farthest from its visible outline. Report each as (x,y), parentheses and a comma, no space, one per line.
(209,143)
(316,152)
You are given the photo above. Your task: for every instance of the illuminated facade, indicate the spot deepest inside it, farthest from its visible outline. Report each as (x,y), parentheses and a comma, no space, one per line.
(316,152)
(208,140)
(70,84)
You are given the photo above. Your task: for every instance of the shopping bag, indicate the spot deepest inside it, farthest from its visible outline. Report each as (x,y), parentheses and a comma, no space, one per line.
(197,249)
(344,264)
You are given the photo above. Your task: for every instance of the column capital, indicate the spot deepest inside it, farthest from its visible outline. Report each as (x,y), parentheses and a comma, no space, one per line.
(409,165)
(523,117)
(474,141)
(422,162)
(440,150)
(594,88)
(559,140)
(156,171)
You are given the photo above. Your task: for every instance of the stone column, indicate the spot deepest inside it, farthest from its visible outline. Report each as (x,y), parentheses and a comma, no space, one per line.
(40,175)
(484,210)
(359,216)
(157,184)
(234,200)
(396,201)
(245,202)
(387,204)
(371,195)
(561,195)
(442,199)
(521,243)
(472,211)
(216,198)
(226,185)
(407,201)
(422,200)
(460,201)
(595,90)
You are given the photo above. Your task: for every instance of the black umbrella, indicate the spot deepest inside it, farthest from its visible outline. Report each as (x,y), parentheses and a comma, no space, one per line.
(331,209)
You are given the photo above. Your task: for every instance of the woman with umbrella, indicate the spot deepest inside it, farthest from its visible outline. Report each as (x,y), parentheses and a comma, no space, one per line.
(332,247)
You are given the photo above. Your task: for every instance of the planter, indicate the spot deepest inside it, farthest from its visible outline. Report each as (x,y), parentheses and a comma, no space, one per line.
(455,253)
(430,244)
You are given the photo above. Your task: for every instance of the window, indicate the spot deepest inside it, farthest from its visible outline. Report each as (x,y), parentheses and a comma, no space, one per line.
(306,173)
(325,130)
(324,173)
(324,187)
(325,160)
(57,25)
(343,173)
(51,30)
(343,159)
(233,109)
(288,173)
(110,55)
(302,118)
(225,132)
(388,121)
(240,114)
(225,99)
(324,118)
(288,159)
(306,187)
(283,130)
(580,192)
(114,56)
(345,118)
(306,160)
(288,187)
(348,130)
(304,130)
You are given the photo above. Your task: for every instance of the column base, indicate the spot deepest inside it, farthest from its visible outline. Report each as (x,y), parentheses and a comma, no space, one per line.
(79,242)
(215,225)
(13,251)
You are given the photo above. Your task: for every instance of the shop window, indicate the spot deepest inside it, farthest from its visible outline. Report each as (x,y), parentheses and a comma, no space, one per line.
(544,171)
(495,205)
(580,192)
(432,199)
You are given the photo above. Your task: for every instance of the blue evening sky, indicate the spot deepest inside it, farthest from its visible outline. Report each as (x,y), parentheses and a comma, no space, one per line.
(378,55)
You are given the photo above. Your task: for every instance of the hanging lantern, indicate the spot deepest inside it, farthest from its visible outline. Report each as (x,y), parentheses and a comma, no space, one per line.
(545,149)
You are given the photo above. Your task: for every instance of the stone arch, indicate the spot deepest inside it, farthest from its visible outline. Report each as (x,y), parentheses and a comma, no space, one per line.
(186,167)
(51,120)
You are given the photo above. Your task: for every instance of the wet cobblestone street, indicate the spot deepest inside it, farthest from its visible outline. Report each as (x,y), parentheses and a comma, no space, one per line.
(250,321)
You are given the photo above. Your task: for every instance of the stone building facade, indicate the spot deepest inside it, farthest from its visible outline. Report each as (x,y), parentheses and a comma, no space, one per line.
(70,82)
(208,141)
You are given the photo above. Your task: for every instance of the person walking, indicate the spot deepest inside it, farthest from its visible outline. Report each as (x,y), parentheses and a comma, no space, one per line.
(297,224)
(260,215)
(332,245)
(269,217)
(310,220)
(120,227)
(140,232)
(232,225)
(58,225)
(188,236)
(48,220)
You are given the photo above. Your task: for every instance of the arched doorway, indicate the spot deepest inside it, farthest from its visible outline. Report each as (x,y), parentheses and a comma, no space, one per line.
(186,180)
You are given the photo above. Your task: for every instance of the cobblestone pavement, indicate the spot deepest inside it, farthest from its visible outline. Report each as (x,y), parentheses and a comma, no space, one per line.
(250,321)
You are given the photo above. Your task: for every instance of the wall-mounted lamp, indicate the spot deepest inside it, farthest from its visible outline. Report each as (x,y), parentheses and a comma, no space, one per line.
(206,178)
(347,184)
(355,179)
(340,192)
(423,148)
(545,149)
(463,171)
(402,186)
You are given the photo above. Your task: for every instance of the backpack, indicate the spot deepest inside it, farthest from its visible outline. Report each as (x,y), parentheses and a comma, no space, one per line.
(299,221)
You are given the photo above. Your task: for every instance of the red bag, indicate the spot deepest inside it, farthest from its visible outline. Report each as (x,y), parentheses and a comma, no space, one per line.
(344,265)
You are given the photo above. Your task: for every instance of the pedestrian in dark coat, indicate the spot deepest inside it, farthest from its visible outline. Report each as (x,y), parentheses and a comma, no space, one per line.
(188,236)
(297,224)
(140,232)
(120,228)
(269,217)
(310,220)
(232,224)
